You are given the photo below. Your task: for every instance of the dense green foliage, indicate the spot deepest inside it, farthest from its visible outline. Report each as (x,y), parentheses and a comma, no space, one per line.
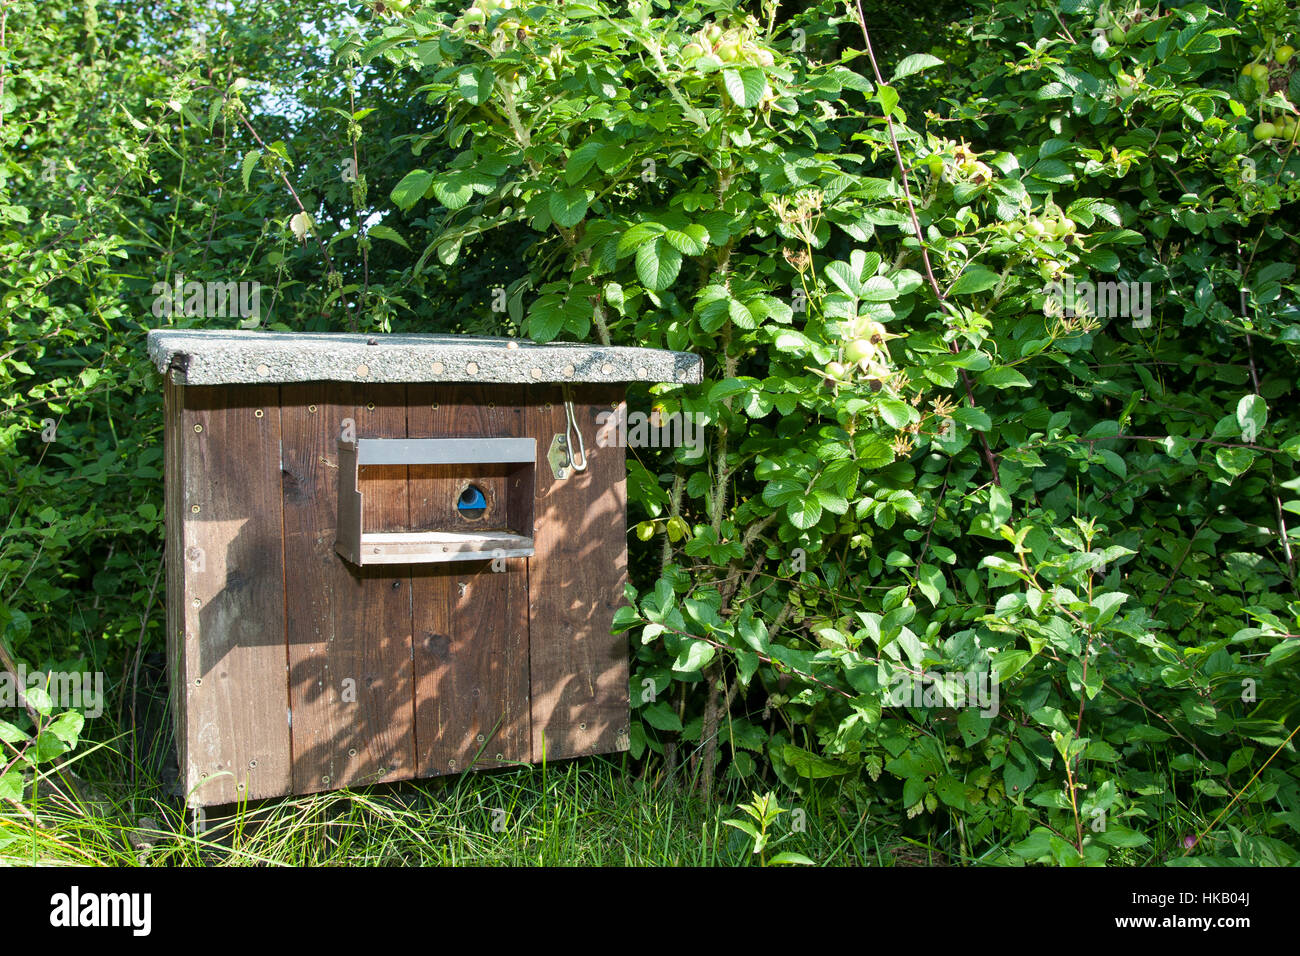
(918,461)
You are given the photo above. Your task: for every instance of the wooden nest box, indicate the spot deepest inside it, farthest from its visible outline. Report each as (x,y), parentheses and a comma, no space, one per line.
(385,559)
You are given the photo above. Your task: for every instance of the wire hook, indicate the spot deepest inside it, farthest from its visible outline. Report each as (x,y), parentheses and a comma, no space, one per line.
(573,435)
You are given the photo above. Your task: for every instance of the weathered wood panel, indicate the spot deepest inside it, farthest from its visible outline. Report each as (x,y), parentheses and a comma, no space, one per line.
(470,622)
(237,743)
(579,670)
(349,628)
(173,513)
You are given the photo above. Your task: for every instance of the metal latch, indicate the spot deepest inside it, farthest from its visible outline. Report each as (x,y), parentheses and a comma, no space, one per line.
(561,455)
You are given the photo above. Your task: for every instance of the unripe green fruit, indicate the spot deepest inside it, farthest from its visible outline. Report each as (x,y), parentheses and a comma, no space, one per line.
(712,32)
(692,51)
(1063,227)
(1284,54)
(729,52)
(859,350)
(1260,73)
(1033,228)
(874,332)
(835,370)
(1116,34)
(473,17)
(1265,131)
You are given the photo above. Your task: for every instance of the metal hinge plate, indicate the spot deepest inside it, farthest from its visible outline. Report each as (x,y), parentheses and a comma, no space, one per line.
(558,458)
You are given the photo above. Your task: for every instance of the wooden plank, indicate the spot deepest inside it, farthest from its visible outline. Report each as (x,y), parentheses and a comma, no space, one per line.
(349,628)
(432,547)
(470,623)
(173,513)
(579,670)
(237,730)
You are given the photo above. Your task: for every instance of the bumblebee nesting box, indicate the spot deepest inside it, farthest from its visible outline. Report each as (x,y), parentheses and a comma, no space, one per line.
(391,556)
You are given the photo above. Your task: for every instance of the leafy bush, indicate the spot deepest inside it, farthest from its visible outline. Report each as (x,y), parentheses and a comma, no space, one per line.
(1000,341)
(950,456)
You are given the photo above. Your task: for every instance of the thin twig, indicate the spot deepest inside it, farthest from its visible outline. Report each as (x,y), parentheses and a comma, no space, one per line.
(920,237)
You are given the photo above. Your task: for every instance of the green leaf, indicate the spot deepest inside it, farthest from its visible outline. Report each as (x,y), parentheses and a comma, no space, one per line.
(694,656)
(789,858)
(811,765)
(662,717)
(11,785)
(896,413)
(999,505)
(1008,663)
(804,512)
(1107,604)
(1252,415)
(1122,836)
(39,700)
(454,191)
(975,279)
(888,98)
(951,791)
(67,727)
(745,86)
(387,232)
(11,734)
(972,726)
(657,265)
(843,275)
(246,167)
(1003,377)
(1235,461)
(744,826)
(568,206)
(914,64)
(691,241)
(411,189)
(975,418)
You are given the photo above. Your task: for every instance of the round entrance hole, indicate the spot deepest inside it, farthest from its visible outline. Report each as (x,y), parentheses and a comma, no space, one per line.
(472,503)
